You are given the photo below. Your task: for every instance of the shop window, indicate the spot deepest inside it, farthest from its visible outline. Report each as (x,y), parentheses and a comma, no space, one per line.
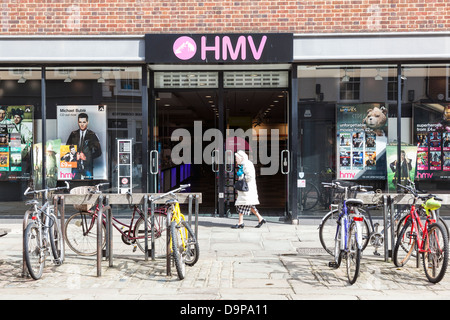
(108,101)
(392,90)
(350,86)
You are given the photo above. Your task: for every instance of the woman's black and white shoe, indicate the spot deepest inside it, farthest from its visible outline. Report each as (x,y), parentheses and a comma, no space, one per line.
(238,226)
(260,223)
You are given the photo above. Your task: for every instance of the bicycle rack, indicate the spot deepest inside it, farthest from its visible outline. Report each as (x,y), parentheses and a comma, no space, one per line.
(192,199)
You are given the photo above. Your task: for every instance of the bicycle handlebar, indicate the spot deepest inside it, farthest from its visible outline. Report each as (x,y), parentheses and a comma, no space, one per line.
(172,192)
(415,192)
(338,185)
(28,191)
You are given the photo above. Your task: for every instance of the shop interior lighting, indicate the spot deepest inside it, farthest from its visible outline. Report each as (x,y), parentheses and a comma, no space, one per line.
(101,79)
(345,78)
(378,77)
(22,79)
(68,79)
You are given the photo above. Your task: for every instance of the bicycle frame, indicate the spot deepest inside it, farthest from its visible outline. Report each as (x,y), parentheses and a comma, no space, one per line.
(177,216)
(118,225)
(416,224)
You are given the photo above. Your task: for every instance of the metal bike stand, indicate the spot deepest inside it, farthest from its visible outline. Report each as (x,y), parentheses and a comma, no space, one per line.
(145,209)
(385,212)
(190,210)
(168,254)
(59,200)
(109,232)
(24,226)
(197,197)
(152,230)
(392,214)
(99,236)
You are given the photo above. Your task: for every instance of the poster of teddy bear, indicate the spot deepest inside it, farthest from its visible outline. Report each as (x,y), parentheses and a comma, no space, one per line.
(362,135)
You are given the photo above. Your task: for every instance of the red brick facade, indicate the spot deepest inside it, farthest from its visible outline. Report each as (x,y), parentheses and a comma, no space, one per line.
(126,17)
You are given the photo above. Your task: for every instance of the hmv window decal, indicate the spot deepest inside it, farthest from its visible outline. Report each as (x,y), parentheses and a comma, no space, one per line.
(214,48)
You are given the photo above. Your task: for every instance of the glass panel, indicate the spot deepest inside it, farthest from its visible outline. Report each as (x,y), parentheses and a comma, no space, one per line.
(345,124)
(20,101)
(426,86)
(106,100)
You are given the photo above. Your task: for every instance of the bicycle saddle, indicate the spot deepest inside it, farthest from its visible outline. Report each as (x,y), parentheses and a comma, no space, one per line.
(355,202)
(171,201)
(32,202)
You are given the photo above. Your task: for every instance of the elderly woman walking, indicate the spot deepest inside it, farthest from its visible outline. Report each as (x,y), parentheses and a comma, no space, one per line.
(247,200)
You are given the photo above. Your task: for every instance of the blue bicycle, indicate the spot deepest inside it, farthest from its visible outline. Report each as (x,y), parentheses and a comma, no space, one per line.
(349,231)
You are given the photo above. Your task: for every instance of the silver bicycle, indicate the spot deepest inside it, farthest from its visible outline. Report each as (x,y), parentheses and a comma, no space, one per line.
(42,233)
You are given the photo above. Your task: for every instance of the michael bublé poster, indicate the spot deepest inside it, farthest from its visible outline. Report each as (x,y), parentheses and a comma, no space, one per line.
(83,134)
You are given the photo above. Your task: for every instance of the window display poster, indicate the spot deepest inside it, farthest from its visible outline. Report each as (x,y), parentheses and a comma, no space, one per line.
(83,134)
(361,141)
(16,138)
(432,137)
(51,163)
(407,165)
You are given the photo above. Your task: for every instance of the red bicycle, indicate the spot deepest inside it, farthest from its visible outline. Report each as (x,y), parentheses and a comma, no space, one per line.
(81,229)
(429,239)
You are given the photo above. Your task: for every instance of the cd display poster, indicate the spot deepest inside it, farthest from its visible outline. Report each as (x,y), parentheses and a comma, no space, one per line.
(432,137)
(83,133)
(361,141)
(16,139)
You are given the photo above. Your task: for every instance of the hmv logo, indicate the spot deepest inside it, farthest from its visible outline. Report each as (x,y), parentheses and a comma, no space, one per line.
(222,48)
(217,48)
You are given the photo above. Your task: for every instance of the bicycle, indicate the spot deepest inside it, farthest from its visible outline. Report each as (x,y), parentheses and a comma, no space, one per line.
(183,244)
(430,239)
(42,234)
(327,226)
(81,229)
(312,194)
(348,237)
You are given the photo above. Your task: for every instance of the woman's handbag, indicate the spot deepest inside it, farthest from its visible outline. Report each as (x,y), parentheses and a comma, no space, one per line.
(241,185)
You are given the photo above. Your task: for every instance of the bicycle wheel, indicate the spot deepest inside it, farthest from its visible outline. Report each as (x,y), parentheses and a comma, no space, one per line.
(310,196)
(327,231)
(56,240)
(435,255)
(353,255)
(160,235)
(178,249)
(405,245)
(81,233)
(192,247)
(34,253)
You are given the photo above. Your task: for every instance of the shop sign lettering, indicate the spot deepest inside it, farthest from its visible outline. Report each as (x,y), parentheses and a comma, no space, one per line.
(213,48)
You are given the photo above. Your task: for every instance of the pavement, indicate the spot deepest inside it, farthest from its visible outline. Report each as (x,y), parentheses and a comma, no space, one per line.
(278,261)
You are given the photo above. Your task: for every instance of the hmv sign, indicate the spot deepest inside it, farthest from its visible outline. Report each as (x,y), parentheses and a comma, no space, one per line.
(219,48)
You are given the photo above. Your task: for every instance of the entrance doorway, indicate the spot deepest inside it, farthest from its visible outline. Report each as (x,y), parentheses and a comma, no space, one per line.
(186,124)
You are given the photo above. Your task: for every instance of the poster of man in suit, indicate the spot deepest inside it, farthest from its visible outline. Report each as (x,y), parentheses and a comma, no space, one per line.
(83,128)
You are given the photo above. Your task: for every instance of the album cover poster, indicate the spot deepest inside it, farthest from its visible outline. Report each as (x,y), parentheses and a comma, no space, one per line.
(408,161)
(83,129)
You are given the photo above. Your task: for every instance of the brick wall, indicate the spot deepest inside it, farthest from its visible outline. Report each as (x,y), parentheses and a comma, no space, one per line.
(57,17)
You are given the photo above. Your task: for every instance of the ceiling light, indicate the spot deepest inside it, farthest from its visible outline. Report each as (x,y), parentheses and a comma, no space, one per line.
(68,79)
(345,78)
(378,77)
(101,80)
(22,79)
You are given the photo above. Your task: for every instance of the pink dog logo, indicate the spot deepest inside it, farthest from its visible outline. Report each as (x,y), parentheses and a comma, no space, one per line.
(184,48)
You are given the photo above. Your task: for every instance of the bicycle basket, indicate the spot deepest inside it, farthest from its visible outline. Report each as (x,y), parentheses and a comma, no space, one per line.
(338,194)
(81,190)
